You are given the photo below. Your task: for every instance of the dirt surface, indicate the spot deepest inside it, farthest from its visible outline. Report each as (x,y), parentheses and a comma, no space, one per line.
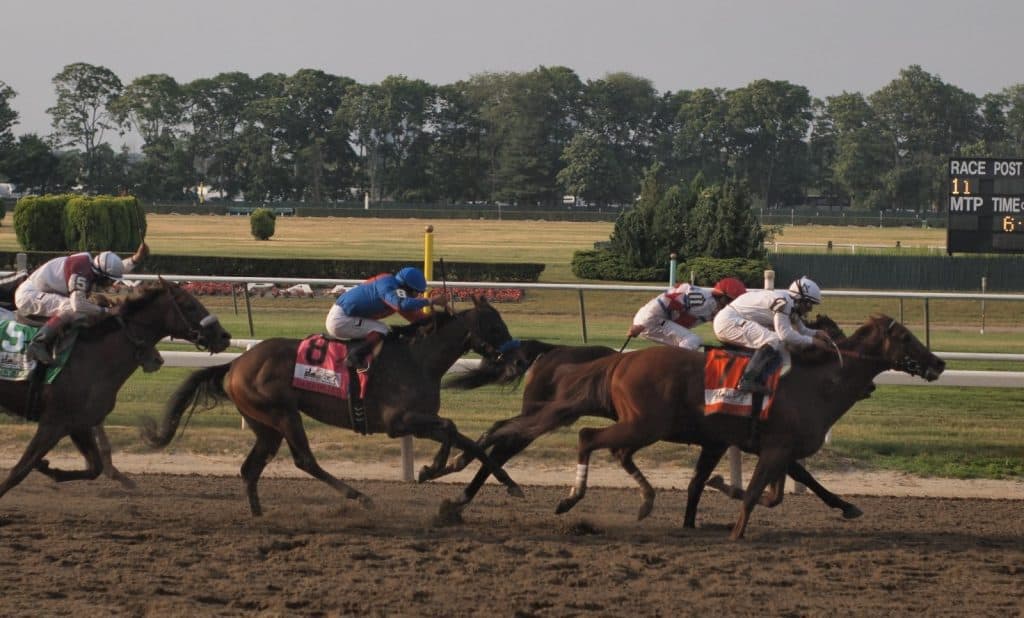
(186,545)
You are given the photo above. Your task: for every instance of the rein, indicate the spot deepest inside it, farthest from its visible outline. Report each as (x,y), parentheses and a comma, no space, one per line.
(140,346)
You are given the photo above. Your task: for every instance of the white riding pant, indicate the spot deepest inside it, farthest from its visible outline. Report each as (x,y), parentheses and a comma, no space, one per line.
(669,333)
(347,327)
(31,301)
(731,327)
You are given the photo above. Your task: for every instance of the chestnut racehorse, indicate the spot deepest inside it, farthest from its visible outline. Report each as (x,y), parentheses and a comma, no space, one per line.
(403,396)
(658,394)
(543,362)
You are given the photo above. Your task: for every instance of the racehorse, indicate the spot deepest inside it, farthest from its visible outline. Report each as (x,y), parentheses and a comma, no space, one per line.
(543,361)
(101,360)
(403,396)
(658,394)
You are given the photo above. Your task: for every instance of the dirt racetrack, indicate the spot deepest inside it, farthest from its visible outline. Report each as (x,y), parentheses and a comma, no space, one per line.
(187,546)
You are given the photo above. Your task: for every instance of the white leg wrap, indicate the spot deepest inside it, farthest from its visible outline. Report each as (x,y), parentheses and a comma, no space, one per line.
(581,477)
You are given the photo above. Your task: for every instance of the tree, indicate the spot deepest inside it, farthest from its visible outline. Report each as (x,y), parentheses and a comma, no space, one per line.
(33,167)
(8,118)
(215,108)
(924,121)
(768,121)
(723,224)
(85,95)
(594,172)
(702,144)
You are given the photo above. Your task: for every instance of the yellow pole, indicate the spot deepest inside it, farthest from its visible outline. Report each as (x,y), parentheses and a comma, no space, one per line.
(428,272)
(428,252)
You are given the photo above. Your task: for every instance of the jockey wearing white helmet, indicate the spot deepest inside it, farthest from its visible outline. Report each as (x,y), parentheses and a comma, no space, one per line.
(60,288)
(769,321)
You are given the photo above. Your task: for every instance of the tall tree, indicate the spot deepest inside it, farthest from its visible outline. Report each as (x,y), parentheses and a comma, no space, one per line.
(8,118)
(85,94)
(924,121)
(33,167)
(215,109)
(768,121)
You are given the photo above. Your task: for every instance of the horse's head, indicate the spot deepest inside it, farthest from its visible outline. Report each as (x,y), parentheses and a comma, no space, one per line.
(488,334)
(168,307)
(896,345)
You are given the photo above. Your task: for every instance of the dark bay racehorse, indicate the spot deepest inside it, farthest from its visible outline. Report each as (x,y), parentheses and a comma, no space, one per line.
(543,363)
(658,394)
(403,396)
(102,359)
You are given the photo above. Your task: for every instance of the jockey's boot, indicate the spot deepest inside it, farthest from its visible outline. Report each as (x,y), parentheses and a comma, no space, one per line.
(358,352)
(41,347)
(753,380)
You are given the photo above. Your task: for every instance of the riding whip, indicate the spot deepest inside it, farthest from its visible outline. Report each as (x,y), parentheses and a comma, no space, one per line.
(628,337)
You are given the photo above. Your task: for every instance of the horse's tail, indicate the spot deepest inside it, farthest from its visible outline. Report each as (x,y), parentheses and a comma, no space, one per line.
(204,388)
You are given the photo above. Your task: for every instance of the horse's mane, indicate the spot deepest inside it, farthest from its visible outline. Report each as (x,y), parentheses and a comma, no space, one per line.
(136,300)
(871,333)
(416,331)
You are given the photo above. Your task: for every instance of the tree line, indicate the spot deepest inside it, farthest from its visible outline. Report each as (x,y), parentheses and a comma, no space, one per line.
(525,138)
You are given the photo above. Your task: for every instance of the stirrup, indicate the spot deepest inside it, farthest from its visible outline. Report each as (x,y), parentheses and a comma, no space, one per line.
(752,386)
(40,352)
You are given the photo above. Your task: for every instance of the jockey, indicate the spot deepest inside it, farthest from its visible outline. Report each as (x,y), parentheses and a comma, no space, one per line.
(60,288)
(668,317)
(358,311)
(769,321)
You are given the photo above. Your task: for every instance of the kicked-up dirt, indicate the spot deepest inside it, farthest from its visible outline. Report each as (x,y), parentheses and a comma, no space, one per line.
(187,546)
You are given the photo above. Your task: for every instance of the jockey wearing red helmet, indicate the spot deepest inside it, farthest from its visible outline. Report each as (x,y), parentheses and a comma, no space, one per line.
(669,317)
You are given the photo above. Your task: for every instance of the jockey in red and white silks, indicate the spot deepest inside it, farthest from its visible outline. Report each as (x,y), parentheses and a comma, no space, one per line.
(668,317)
(62,286)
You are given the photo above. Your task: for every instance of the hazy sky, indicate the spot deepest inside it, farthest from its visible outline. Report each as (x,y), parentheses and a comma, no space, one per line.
(827,46)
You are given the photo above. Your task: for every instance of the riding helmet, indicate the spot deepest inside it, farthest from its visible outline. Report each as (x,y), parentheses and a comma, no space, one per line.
(412,278)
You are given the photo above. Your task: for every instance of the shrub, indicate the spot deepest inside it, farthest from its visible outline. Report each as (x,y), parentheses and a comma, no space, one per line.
(706,271)
(38,222)
(609,265)
(261,222)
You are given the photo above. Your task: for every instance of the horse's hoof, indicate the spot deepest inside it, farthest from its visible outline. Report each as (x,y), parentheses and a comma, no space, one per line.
(564,506)
(364,501)
(645,510)
(515,491)
(852,512)
(425,475)
(126,483)
(716,482)
(449,514)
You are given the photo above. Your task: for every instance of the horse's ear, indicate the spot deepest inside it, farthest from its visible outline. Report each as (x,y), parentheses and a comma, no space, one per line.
(480,301)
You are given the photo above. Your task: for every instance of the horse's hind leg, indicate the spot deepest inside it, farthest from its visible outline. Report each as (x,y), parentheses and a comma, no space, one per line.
(46,437)
(295,434)
(85,442)
(111,471)
(268,441)
(621,435)
(625,457)
(706,463)
(771,465)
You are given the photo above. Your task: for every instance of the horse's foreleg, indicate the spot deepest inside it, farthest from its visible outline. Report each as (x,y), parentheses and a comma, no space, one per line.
(799,473)
(295,434)
(268,441)
(707,461)
(771,465)
(103,442)
(85,442)
(625,457)
(45,438)
(622,436)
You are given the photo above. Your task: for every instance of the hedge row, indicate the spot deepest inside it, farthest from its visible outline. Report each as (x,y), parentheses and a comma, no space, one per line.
(79,223)
(305,268)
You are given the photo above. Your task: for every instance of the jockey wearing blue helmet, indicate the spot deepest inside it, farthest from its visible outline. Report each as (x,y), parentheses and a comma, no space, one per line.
(356,314)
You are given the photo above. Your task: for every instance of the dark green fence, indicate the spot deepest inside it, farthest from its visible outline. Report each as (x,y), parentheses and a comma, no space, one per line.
(910,272)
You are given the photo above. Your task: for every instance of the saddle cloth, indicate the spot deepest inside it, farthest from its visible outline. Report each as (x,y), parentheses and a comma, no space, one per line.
(14,340)
(722,372)
(320,366)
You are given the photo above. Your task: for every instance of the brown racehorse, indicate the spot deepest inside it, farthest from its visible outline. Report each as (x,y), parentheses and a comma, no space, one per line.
(544,361)
(403,396)
(658,394)
(101,360)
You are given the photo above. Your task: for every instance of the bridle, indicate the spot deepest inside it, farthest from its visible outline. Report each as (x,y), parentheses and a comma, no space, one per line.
(905,364)
(194,334)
